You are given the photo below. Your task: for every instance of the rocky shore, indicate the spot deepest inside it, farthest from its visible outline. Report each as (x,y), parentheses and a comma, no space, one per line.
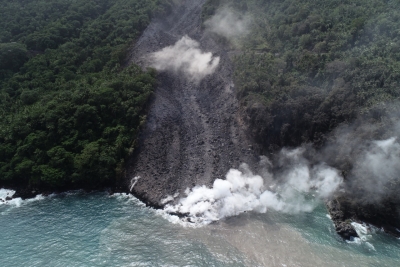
(345,210)
(342,225)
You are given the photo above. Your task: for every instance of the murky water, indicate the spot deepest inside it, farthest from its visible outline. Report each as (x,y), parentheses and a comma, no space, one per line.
(78,229)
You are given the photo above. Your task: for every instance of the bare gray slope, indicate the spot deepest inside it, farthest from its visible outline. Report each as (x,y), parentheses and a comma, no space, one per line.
(193,134)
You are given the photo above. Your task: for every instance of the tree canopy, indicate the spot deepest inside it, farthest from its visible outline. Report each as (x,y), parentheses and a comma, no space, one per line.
(306,67)
(69,113)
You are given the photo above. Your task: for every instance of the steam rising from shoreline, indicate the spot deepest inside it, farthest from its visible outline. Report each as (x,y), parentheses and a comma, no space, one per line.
(377,167)
(244,191)
(368,150)
(186,57)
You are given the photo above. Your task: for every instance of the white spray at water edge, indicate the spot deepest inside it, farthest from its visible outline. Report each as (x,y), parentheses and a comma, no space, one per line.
(4,193)
(243,191)
(365,233)
(186,57)
(15,202)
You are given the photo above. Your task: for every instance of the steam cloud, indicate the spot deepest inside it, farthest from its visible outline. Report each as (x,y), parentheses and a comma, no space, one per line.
(304,176)
(228,23)
(243,191)
(185,57)
(368,150)
(377,167)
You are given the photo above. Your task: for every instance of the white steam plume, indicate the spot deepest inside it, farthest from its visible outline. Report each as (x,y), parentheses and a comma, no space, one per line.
(368,151)
(228,23)
(243,191)
(378,166)
(185,57)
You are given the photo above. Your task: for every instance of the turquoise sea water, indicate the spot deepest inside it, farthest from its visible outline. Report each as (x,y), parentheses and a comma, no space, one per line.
(78,229)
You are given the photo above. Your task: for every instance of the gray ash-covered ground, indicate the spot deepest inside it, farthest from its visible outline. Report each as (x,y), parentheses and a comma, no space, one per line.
(193,133)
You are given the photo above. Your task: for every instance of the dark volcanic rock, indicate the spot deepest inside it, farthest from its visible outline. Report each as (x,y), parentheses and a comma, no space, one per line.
(25,193)
(383,214)
(194,133)
(345,209)
(342,225)
(345,230)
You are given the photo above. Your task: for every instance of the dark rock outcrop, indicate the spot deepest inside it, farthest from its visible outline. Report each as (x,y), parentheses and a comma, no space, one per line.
(25,193)
(345,209)
(342,225)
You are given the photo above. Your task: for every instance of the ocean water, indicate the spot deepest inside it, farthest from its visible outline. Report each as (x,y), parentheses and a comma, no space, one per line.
(79,229)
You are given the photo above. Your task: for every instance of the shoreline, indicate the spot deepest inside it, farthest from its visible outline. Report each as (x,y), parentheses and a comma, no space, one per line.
(343,226)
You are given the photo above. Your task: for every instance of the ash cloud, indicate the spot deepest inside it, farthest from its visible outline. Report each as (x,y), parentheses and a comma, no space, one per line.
(185,57)
(300,189)
(228,23)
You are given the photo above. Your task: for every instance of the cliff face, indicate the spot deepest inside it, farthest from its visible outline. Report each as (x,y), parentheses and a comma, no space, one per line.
(194,133)
(346,209)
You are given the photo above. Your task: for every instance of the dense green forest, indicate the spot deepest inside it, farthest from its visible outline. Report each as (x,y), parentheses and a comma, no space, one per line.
(307,66)
(69,113)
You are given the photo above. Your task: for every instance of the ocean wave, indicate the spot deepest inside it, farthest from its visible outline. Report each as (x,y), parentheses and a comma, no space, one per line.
(365,233)
(5,194)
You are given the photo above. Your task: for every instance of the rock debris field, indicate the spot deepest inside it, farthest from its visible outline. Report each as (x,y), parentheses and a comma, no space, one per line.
(194,132)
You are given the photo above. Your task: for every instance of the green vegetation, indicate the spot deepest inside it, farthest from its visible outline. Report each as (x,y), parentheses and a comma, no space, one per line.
(307,66)
(69,113)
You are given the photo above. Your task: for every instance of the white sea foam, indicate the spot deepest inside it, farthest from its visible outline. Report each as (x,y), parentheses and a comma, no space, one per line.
(162,213)
(4,193)
(184,221)
(15,202)
(128,198)
(365,233)
(18,202)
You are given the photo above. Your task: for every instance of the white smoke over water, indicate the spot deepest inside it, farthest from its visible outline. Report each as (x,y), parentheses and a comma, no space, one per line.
(228,23)
(300,184)
(244,191)
(186,57)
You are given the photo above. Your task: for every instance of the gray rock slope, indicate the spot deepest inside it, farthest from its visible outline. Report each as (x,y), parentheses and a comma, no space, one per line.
(194,133)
